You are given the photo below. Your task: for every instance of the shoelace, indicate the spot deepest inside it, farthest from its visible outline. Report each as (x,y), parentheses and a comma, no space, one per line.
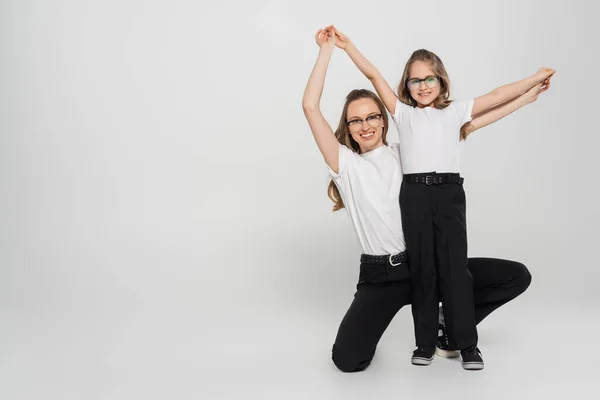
(423,349)
(471,350)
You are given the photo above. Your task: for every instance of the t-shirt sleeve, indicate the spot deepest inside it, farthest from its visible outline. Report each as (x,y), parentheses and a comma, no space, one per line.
(464,109)
(396,150)
(345,161)
(399,112)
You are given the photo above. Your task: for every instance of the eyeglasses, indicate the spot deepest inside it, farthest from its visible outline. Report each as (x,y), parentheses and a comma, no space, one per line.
(430,82)
(356,124)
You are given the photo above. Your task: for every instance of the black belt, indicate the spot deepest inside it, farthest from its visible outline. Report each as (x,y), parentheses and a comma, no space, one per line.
(433,178)
(392,259)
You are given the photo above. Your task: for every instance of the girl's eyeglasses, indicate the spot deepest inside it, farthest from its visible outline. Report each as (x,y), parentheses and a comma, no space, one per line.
(415,83)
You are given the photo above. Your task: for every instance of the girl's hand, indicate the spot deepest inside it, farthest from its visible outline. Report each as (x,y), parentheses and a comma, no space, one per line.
(543,74)
(325,37)
(532,94)
(341,41)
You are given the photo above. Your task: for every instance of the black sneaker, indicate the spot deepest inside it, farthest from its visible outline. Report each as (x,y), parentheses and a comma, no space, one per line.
(443,344)
(471,358)
(423,355)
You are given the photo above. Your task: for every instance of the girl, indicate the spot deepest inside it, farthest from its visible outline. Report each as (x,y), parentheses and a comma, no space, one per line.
(366,175)
(432,198)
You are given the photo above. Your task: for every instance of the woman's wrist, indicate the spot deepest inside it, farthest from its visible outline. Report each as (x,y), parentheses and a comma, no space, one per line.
(326,49)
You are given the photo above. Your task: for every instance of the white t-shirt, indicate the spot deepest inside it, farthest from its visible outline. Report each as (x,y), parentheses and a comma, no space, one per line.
(369,185)
(429,137)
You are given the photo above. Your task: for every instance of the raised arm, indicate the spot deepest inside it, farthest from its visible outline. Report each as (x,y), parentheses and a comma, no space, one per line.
(383,89)
(501,111)
(509,92)
(324,136)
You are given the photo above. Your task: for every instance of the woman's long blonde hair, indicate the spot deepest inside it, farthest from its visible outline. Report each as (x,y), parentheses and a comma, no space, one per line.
(342,134)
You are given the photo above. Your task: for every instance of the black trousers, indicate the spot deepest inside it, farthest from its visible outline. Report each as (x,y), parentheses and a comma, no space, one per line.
(435,229)
(383,290)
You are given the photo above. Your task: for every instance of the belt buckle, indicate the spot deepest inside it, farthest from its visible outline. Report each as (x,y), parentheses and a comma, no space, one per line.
(429,180)
(391,263)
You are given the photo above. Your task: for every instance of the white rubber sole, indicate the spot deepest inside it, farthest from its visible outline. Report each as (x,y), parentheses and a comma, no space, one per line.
(421,361)
(447,353)
(473,366)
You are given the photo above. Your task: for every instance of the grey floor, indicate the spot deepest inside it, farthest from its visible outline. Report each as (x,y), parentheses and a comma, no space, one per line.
(177,351)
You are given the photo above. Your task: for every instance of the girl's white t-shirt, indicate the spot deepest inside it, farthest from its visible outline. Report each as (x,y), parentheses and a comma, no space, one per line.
(369,185)
(429,137)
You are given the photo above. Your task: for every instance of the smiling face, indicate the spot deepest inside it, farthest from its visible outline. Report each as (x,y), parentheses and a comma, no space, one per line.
(366,124)
(428,88)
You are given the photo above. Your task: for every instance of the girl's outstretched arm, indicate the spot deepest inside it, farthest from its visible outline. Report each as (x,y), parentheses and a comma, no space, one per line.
(324,136)
(509,92)
(383,89)
(501,111)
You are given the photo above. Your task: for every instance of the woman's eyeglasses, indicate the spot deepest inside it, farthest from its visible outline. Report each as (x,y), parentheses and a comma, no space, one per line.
(356,124)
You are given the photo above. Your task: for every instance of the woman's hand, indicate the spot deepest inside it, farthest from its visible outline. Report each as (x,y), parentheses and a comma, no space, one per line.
(543,74)
(325,37)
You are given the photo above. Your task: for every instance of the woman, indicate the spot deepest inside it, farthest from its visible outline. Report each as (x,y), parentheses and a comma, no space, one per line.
(366,178)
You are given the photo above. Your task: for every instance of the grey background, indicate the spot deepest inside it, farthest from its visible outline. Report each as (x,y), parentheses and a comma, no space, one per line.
(164,225)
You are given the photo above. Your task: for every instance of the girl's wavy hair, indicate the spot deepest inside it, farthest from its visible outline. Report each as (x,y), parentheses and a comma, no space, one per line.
(443,100)
(342,134)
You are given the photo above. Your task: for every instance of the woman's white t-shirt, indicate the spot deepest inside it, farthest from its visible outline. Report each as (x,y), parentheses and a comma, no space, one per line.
(369,185)
(429,137)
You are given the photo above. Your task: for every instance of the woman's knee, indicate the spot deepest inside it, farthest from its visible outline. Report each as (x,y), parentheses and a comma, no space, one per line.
(524,278)
(350,362)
